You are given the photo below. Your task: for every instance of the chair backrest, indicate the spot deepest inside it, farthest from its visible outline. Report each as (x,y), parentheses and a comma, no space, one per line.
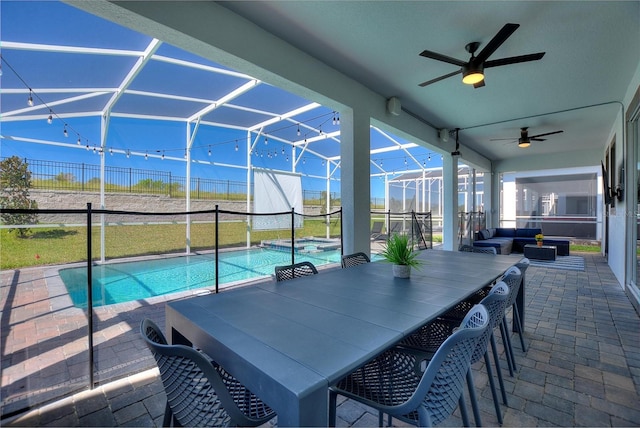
(377,227)
(513,279)
(466,248)
(523,265)
(196,392)
(354,259)
(472,249)
(284,273)
(441,385)
(495,303)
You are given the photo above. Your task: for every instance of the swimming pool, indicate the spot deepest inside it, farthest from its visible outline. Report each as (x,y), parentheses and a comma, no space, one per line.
(127,281)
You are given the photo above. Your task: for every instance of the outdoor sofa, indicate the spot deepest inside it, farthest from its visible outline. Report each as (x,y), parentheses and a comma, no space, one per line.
(511,240)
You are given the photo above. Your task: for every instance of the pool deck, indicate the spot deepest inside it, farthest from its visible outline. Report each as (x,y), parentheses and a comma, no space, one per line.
(582,367)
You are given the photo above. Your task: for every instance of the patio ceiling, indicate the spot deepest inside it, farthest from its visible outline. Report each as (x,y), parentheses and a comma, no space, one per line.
(104,70)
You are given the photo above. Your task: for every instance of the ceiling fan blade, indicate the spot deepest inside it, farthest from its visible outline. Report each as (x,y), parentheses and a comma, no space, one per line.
(497,40)
(514,60)
(480,84)
(437,79)
(544,135)
(441,57)
(537,139)
(503,139)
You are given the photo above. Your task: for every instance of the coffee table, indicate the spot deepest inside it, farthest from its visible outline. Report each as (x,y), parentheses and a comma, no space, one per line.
(543,252)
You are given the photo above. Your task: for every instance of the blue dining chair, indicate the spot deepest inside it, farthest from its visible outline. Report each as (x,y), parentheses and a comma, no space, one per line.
(429,337)
(287,272)
(199,391)
(355,259)
(404,384)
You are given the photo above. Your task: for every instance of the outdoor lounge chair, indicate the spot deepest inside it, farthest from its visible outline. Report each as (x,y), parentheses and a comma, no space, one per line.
(376,230)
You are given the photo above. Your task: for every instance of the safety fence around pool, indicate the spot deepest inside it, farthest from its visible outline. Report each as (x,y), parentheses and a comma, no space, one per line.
(54,343)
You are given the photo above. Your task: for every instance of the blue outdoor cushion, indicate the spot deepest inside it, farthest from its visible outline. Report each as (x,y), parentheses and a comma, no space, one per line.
(485,234)
(506,232)
(527,233)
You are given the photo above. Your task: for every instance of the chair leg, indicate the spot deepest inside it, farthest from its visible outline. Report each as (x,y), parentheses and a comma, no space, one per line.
(506,338)
(473,399)
(168,415)
(463,411)
(492,384)
(516,315)
(496,360)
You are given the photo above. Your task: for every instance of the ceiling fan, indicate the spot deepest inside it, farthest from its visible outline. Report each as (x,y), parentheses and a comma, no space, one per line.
(525,139)
(473,70)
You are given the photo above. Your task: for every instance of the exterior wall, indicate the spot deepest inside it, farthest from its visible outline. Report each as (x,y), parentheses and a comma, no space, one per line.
(131,202)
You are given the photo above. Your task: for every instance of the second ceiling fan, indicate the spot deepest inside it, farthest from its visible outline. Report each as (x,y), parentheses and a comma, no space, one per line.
(473,70)
(525,139)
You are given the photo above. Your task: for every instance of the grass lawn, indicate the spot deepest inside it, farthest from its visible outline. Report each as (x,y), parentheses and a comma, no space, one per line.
(69,244)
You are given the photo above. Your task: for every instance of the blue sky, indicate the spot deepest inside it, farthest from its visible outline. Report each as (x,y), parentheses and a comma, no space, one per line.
(55,23)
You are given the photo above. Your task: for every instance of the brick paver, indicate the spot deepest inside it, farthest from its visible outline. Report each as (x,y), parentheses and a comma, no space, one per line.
(582,367)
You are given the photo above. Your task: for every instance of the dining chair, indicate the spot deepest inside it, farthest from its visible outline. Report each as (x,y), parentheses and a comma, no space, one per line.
(355,259)
(512,278)
(429,338)
(404,384)
(284,273)
(199,391)
(523,265)
(472,249)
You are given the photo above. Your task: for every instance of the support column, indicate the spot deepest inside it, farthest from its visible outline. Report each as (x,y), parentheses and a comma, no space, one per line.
(355,182)
(450,203)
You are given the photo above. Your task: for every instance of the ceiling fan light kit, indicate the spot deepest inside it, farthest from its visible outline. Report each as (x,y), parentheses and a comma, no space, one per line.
(472,74)
(473,70)
(523,144)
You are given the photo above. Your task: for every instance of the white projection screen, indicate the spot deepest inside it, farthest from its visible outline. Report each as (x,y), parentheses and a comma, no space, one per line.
(276,191)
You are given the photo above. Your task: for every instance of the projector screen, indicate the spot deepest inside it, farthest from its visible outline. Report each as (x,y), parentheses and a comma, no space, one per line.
(276,191)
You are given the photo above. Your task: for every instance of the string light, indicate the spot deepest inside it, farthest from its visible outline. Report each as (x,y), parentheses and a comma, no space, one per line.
(66,134)
(128,153)
(111,151)
(146,156)
(266,140)
(50,118)
(236,146)
(79,142)
(209,152)
(162,155)
(30,100)
(298,130)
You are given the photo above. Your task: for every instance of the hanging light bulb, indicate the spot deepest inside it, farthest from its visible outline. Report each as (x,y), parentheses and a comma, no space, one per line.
(94,150)
(429,158)
(146,156)
(111,151)
(304,161)
(322,163)
(338,120)
(334,121)
(185,153)
(424,163)
(128,153)
(282,149)
(209,152)
(79,142)
(30,100)
(237,147)
(320,128)
(287,159)
(50,118)
(298,130)
(266,140)
(162,155)
(66,134)
(87,146)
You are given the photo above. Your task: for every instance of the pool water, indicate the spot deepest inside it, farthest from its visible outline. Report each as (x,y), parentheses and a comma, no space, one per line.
(124,282)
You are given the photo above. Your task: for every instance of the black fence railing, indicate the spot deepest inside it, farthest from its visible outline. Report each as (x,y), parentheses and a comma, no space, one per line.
(54,175)
(107,300)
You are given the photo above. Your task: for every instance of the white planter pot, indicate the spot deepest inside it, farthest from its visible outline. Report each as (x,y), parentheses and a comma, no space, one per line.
(401,271)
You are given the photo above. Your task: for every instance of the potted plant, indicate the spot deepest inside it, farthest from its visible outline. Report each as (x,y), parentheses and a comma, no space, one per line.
(539,237)
(400,252)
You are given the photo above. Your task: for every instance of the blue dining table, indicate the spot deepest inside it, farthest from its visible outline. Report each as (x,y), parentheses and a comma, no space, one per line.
(289,341)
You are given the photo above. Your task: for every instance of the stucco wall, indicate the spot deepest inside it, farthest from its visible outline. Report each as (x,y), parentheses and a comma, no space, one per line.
(133,202)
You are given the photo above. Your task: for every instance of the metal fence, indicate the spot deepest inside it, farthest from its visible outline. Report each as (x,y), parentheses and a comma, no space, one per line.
(53,175)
